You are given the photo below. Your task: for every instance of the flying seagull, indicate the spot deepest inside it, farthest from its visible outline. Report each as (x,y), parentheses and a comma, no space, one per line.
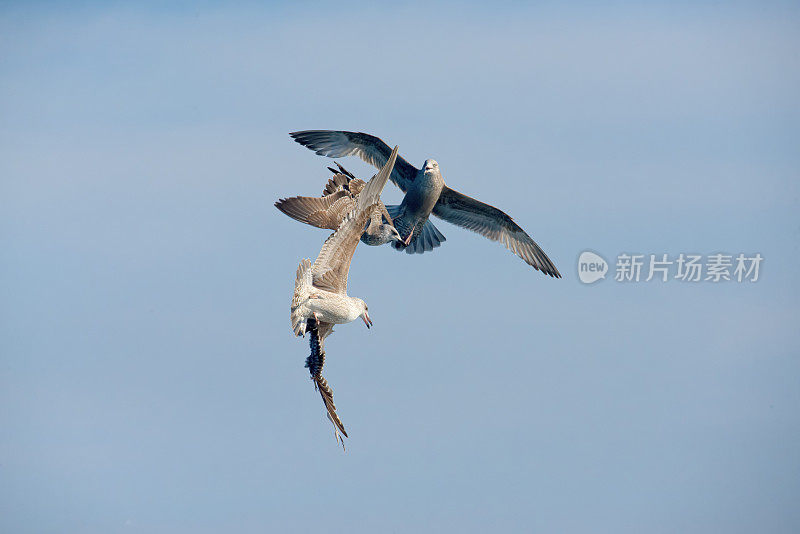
(320,297)
(427,193)
(337,200)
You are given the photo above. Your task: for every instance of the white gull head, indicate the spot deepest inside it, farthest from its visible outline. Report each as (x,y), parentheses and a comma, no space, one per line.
(364,315)
(430,166)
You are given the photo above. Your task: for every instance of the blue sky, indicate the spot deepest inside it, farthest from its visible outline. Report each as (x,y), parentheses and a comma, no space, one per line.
(149,380)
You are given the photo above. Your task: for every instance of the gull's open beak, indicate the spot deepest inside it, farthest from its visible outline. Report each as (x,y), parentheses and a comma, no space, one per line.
(407,241)
(367,320)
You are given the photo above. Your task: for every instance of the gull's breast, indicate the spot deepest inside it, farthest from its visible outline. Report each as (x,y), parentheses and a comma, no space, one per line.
(425,191)
(334,308)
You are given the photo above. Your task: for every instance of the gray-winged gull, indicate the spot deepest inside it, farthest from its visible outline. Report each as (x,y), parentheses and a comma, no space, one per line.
(427,193)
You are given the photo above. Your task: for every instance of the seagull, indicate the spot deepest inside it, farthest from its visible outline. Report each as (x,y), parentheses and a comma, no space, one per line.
(427,193)
(320,297)
(337,200)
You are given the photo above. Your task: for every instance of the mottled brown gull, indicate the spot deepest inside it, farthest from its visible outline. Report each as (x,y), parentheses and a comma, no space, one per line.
(337,200)
(320,297)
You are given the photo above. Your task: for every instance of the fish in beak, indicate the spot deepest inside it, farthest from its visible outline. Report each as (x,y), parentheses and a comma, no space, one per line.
(367,320)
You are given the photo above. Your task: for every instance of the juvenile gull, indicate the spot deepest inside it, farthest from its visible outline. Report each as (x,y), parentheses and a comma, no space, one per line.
(427,193)
(337,200)
(320,297)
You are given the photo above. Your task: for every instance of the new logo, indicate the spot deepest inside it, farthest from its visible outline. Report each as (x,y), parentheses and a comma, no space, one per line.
(591,267)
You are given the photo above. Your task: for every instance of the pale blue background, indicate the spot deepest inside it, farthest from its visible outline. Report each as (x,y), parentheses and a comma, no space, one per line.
(149,378)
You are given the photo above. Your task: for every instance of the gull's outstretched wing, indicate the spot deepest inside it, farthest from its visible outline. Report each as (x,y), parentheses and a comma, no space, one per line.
(490,222)
(315,362)
(333,263)
(337,144)
(323,212)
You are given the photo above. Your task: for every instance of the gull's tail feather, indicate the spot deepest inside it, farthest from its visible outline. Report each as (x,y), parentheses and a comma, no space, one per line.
(315,362)
(302,289)
(340,181)
(347,183)
(424,240)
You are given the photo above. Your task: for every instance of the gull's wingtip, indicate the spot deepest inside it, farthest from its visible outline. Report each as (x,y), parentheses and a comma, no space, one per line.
(547,270)
(553,272)
(299,134)
(387,169)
